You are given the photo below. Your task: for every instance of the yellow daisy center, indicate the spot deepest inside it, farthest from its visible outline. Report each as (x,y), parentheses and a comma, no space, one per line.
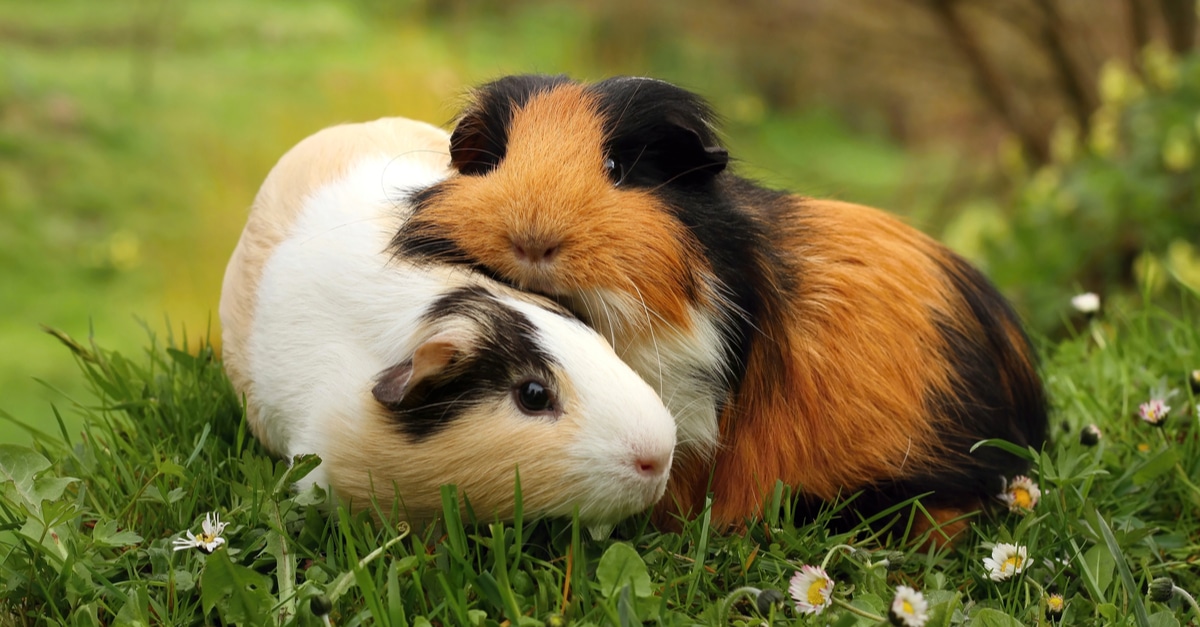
(1014,561)
(1055,603)
(815,596)
(906,606)
(206,538)
(1022,498)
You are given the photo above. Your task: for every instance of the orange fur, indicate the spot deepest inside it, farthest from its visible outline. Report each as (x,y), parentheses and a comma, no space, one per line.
(847,354)
(847,409)
(553,185)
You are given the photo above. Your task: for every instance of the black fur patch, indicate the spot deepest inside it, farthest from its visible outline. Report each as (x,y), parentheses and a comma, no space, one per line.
(480,140)
(507,354)
(658,133)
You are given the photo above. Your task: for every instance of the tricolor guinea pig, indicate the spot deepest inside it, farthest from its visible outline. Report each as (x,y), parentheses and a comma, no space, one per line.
(405,377)
(821,343)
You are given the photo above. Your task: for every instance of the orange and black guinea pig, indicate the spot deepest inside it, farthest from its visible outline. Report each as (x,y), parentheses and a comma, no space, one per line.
(821,343)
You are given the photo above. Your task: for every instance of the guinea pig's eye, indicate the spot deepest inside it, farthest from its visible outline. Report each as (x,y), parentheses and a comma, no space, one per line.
(534,398)
(615,172)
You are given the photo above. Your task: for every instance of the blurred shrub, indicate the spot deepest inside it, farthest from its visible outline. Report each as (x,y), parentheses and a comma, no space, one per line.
(1116,210)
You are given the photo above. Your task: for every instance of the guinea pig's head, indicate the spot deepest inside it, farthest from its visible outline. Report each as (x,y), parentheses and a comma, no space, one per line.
(503,384)
(575,191)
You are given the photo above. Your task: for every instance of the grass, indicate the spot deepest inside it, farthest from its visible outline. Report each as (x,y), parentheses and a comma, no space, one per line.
(87,538)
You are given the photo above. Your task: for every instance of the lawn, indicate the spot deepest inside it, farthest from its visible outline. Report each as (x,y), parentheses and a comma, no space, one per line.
(90,536)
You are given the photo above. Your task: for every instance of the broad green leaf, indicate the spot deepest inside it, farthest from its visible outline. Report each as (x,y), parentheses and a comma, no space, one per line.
(85,616)
(1101,565)
(300,467)
(50,540)
(870,602)
(19,482)
(168,467)
(619,566)
(106,534)
(1165,618)
(988,617)
(1156,466)
(942,605)
(238,593)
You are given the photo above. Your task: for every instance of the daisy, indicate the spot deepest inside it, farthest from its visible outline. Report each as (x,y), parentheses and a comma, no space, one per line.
(812,589)
(1055,605)
(208,540)
(909,608)
(1021,494)
(1154,411)
(1087,303)
(1090,435)
(1006,560)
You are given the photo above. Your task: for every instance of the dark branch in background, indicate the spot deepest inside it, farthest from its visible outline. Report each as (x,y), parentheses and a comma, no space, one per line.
(1180,19)
(991,84)
(1139,30)
(1053,34)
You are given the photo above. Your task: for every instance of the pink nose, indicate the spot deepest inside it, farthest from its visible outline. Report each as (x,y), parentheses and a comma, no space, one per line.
(652,465)
(535,250)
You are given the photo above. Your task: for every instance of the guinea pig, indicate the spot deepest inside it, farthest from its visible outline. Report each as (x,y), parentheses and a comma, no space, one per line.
(823,344)
(404,377)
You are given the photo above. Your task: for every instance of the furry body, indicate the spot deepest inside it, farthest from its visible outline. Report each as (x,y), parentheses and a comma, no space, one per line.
(404,377)
(820,343)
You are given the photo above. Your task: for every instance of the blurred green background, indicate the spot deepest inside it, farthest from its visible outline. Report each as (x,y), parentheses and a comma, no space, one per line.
(1051,141)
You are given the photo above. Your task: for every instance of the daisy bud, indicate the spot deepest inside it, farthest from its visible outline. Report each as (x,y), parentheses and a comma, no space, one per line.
(894,561)
(1090,435)
(556,620)
(320,605)
(1194,381)
(1162,589)
(767,599)
(1055,606)
(1087,303)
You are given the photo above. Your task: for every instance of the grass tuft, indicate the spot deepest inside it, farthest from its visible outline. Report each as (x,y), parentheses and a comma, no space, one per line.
(88,520)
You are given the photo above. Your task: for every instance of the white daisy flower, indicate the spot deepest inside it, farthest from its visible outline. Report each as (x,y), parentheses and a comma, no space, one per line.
(1154,411)
(1088,303)
(1021,494)
(209,538)
(909,608)
(1006,560)
(1055,605)
(812,589)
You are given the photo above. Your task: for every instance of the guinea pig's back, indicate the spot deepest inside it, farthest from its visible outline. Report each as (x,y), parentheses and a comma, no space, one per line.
(317,188)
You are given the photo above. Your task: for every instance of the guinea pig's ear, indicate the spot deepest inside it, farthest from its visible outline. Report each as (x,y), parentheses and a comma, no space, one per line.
(693,147)
(428,362)
(480,139)
(659,133)
(474,148)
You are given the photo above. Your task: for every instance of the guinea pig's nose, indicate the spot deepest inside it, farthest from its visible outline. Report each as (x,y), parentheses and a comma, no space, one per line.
(535,249)
(652,465)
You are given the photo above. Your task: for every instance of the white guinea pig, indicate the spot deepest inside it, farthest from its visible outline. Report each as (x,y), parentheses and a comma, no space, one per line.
(402,376)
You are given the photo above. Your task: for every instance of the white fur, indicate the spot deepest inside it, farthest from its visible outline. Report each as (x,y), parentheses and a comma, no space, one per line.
(334,309)
(671,363)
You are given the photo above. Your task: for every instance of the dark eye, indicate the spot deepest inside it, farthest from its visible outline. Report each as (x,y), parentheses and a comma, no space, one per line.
(534,398)
(616,172)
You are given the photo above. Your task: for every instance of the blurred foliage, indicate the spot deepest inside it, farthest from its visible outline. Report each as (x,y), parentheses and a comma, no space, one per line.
(134,133)
(1116,212)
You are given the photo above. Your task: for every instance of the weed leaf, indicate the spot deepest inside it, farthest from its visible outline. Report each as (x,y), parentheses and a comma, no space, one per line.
(620,566)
